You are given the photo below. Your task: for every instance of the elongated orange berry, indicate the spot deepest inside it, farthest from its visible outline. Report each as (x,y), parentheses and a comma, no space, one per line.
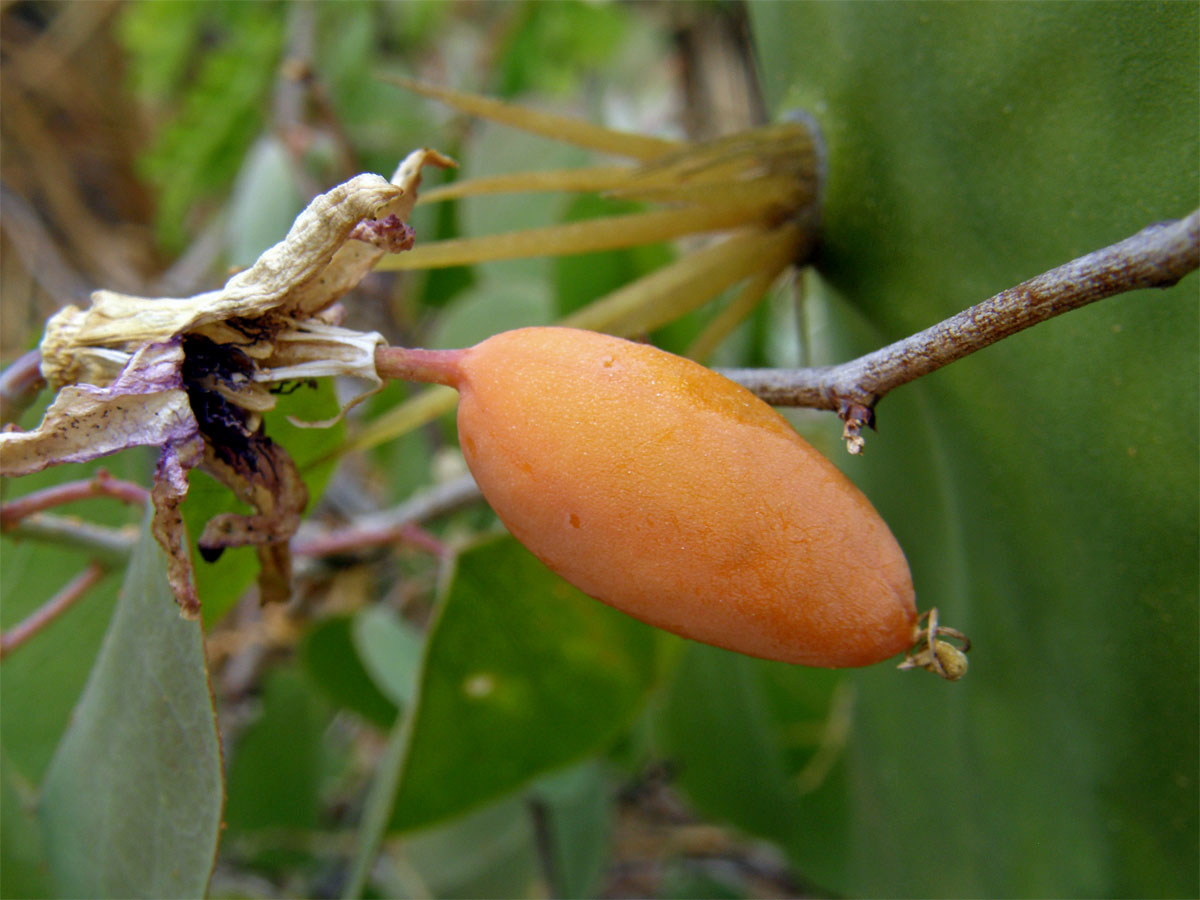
(673,494)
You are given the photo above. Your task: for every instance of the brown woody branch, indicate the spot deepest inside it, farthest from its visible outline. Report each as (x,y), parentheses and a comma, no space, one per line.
(1157,256)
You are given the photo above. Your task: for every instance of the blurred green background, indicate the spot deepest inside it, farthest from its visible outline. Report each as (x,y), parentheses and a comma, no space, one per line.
(1045,490)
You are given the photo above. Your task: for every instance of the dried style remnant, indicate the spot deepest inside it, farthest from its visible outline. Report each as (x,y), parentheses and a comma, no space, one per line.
(192,376)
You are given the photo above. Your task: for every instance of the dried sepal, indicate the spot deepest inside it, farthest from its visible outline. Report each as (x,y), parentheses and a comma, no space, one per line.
(261,474)
(931,653)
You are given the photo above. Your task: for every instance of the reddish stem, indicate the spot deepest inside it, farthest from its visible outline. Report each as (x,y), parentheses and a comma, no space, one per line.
(51,609)
(102,485)
(352,539)
(412,364)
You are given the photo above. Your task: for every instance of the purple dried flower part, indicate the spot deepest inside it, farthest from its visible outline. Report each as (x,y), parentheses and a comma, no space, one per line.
(191,376)
(146,405)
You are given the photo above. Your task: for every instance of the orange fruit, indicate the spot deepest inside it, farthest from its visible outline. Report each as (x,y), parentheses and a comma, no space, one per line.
(675,495)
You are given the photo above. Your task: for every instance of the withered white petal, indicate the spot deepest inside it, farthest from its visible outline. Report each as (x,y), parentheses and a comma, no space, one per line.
(315,265)
(313,349)
(120,368)
(146,405)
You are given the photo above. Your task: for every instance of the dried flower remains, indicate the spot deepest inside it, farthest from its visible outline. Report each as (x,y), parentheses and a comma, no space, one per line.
(192,376)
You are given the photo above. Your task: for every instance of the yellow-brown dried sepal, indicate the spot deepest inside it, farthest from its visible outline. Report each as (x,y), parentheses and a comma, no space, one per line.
(931,653)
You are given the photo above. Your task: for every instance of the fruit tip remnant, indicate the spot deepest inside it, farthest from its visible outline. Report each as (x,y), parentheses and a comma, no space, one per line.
(935,655)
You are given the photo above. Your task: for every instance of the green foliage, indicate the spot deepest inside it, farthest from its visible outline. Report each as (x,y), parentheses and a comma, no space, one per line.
(42,680)
(265,202)
(359,44)
(391,650)
(131,804)
(330,658)
(1039,488)
(522,674)
(1045,491)
(211,65)
(275,770)
(552,42)
(576,808)
(742,776)
(24,873)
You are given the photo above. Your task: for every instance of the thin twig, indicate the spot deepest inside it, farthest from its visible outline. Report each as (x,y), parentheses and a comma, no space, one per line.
(397,523)
(112,546)
(52,608)
(102,485)
(1157,256)
(355,538)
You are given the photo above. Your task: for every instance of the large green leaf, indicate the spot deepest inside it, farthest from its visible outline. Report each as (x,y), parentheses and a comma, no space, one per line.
(523,674)
(1045,490)
(491,852)
(131,803)
(42,680)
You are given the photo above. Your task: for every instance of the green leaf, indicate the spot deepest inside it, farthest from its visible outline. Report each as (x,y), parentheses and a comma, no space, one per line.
(390,650)
(131,804)
(491,852)
(23,868)
(331,660)
(552,44)
(719,730)
(265,202)
(275,767)
(492,306)
(523,674)
(576,805)
(1045,490)
(43,679)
